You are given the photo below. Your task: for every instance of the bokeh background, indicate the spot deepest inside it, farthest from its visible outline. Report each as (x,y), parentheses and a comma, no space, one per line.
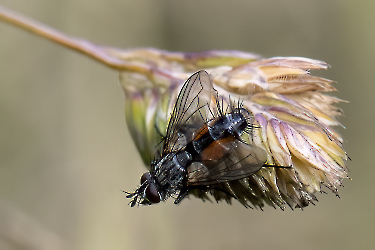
(66,154)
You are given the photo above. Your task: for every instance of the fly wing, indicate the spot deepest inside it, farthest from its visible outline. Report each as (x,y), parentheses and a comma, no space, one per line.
(191,111)
(240,161)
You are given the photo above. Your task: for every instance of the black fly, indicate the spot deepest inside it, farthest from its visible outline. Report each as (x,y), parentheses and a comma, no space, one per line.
(202,147)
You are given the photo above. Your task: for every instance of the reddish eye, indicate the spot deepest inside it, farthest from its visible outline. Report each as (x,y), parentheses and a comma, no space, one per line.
(145,177)
(152,193)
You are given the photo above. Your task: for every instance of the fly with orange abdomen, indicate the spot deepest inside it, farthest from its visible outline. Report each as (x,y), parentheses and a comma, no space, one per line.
(202,147)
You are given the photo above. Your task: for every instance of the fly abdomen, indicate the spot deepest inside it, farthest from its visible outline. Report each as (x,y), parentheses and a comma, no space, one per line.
(233,124)
(213,140)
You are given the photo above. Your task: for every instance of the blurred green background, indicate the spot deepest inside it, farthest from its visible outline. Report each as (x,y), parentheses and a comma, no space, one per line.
(65,152)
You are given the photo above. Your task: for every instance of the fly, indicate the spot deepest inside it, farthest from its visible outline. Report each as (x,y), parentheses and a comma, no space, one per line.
(202,147)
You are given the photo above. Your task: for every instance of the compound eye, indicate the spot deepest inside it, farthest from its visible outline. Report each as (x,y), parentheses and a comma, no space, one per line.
(145,177)
(152,193)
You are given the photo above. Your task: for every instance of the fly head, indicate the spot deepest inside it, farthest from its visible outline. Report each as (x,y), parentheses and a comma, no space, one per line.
(147,193)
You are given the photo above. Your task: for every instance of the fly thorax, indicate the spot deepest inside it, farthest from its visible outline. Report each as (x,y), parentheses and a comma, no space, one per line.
(170,172)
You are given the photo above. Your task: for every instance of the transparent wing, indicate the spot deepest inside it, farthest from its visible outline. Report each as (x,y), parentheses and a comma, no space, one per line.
(241,160)
(191,112)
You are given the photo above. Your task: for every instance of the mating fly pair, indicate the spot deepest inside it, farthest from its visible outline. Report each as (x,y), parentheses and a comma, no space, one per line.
(202,147)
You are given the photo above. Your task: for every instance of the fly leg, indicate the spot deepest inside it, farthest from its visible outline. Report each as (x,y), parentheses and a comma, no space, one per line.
(184,191)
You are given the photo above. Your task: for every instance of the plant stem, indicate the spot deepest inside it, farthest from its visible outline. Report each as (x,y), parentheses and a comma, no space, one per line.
(101,54)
